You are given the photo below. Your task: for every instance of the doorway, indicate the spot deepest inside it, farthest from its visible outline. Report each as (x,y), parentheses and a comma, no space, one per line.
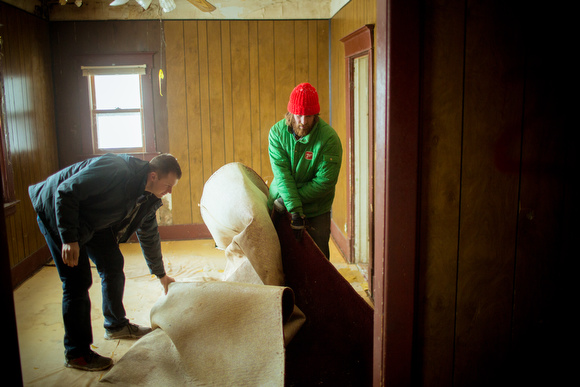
(362,211)
(360,148)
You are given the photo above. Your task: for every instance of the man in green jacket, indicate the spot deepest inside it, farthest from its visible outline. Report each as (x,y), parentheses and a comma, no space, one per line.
(84,211)
(305,154)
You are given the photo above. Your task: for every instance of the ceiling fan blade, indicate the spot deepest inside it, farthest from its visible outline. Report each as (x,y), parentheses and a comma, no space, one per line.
(144,3)
(202,5)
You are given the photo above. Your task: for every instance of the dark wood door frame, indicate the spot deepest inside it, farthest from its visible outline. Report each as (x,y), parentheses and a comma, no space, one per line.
(396,189)
(12,362)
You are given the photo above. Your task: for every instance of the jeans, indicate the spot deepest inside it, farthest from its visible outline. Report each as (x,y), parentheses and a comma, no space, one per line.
(104,251)
(319,229)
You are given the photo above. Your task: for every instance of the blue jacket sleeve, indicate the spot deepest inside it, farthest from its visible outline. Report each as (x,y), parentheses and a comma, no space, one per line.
(150,241)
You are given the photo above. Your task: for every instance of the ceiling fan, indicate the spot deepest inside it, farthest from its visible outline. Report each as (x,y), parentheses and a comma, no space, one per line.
(167,5)
(203,5)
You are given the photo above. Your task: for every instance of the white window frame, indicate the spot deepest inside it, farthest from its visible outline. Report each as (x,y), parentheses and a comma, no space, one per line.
(141,63)
(90,72)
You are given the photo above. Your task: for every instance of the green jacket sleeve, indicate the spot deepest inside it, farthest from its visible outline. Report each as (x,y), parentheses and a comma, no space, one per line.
(281,163)
(326,173)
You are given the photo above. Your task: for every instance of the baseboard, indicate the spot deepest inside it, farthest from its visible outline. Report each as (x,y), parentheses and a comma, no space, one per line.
(30,265)
(180,232)
(340,240)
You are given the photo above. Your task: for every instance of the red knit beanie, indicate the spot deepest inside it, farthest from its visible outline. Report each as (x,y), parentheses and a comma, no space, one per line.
(304,100)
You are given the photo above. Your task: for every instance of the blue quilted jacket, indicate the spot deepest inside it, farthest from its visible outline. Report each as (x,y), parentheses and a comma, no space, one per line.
(97,194)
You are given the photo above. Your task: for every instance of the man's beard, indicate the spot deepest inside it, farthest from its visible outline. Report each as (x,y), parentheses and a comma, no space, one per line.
(301,130)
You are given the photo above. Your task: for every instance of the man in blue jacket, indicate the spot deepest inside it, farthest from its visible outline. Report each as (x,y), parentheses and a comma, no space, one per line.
(84,211)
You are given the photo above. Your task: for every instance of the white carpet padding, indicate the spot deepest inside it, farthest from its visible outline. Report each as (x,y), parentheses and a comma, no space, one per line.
(211,334)
(230,332)
(234,209)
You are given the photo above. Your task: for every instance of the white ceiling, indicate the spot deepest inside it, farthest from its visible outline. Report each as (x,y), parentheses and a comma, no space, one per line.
(225,9)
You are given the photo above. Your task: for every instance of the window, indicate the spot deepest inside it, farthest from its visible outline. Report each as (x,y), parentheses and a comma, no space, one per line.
(119,113)
(116,108)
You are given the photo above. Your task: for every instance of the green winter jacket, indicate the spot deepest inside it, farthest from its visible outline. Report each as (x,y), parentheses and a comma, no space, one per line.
(305,170)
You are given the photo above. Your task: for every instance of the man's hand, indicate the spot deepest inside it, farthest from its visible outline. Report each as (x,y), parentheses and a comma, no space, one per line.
(297,223)
(165,281)
(70,254)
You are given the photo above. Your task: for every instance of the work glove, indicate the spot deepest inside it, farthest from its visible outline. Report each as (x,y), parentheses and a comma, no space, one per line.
(279,206)
(297,223)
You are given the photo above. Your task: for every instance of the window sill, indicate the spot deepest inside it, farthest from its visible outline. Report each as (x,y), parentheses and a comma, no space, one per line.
(10,208)
(140,155)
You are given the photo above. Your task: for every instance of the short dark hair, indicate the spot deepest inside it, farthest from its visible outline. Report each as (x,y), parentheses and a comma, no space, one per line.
(165,164)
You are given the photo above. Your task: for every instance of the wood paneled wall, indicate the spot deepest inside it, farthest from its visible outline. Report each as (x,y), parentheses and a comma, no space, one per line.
(496,200)
(350,18)
(494,180)
(228,82)
(29,120)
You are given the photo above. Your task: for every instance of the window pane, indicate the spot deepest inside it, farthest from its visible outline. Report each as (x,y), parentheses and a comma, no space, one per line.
(117,91)
(119,130)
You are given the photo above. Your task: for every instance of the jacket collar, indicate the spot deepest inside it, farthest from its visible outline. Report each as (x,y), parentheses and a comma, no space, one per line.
(135,185)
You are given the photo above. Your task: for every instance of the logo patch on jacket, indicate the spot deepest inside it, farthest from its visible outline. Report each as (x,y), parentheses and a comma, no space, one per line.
(308,155)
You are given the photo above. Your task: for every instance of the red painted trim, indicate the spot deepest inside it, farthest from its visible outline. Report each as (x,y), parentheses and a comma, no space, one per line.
(359,41)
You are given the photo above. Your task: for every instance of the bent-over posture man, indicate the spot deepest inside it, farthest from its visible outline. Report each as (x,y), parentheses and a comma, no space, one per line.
(84,211)
(305,154)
